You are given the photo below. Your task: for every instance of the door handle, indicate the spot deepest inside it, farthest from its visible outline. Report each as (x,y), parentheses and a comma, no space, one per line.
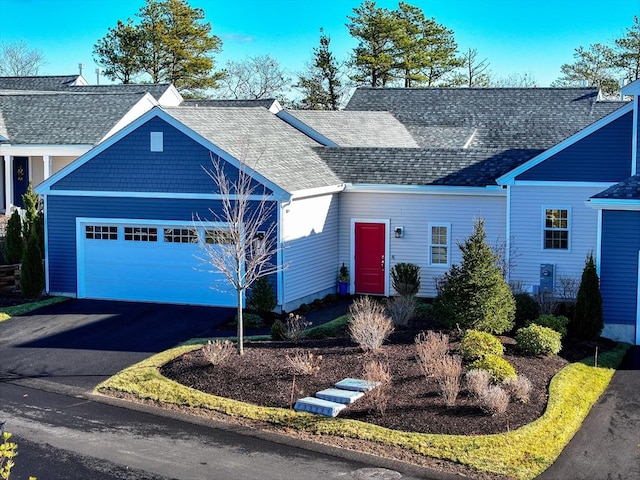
(382,265)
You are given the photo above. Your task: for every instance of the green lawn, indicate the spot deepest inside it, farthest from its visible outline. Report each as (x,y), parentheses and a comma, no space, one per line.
(17,310)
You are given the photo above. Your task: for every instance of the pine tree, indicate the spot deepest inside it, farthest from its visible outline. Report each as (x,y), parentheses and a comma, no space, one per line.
(475,294)
(588,321)
(13,243)
(32,272)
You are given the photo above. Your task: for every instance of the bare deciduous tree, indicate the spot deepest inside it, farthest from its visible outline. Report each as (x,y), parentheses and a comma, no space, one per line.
(246,247)
(253,78)
(18,60)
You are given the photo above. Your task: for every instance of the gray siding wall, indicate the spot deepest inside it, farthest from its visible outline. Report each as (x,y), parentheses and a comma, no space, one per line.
(310,233)
(527,211)
(62,211)
(619,266)
(414,212)
(603,156)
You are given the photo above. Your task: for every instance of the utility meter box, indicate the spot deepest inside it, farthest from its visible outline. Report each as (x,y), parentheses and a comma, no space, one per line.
(547,277)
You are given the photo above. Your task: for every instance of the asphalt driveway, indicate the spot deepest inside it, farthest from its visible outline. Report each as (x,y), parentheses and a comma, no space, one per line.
(79,343)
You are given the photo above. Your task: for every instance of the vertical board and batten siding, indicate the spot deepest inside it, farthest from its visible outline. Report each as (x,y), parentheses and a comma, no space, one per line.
(527,224)
(619,266)
(414,212)
(602,156)
(310,235)
(62,211)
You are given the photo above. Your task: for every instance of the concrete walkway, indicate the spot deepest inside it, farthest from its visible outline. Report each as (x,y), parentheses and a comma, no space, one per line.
(607,446)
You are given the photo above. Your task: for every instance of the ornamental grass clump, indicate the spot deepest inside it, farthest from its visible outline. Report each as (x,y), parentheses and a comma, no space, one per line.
(401,309)
(449,379)
(494,400)
(377,373)
(218,351)
(304,363)
(519,388)
(431,349)
(369,325)
(476,381)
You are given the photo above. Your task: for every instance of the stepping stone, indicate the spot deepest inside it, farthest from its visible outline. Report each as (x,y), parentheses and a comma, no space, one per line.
(319,406)
(356,385)
(339,396)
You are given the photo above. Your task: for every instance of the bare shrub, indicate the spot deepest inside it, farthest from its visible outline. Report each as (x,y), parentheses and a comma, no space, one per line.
(567,287)
(218,351)
(431,348)
(449,379)
(304,363)
(519,388)
(494,400)
(547,302)
(295,327)
(369,325)
(401,309)
(376,371)
(476,381)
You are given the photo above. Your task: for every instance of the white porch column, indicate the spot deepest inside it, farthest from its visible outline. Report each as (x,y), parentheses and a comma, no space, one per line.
(46,159)
(8,183)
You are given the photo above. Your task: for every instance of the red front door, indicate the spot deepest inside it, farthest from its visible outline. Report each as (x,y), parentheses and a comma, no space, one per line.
(369,257)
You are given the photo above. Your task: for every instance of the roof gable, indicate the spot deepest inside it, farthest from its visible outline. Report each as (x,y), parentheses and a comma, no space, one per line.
(618,119)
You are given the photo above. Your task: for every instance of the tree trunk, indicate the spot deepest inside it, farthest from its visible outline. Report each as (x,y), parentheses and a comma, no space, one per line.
(240,324)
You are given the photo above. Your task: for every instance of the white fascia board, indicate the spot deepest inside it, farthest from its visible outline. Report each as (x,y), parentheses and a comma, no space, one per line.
(177,196)
(509,178)
(613,204)
(45,187)
(427,189)
(314,192)
(40,150)
(146,103)
(536,183)
(632,88)
(302,127)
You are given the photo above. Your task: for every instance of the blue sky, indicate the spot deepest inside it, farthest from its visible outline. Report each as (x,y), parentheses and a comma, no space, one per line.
(533,37)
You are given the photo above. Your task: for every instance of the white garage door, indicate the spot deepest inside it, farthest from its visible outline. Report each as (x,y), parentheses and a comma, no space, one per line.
(147,261)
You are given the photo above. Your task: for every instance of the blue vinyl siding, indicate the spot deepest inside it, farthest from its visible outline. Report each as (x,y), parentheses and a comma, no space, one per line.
(129,165)
(62,211)
(619,265)
(602,156)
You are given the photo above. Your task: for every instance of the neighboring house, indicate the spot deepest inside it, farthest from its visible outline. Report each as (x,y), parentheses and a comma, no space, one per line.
(47,122)
(399,176)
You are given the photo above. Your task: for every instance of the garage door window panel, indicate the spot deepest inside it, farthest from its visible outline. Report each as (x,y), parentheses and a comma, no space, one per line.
(101,232)
(141,234)
(180,235)
(218,237)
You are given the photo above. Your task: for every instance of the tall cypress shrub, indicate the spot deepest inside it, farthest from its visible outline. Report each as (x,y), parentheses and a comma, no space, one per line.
(588,321)
(475,294)
(32,271)
(13,244)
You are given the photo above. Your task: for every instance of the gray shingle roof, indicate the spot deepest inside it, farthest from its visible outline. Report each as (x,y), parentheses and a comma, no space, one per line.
(261,102)
(502,117)
(155,90)
(263,141)
(357,129)
(58,118)
(44,83)
(423,166)
(626,190)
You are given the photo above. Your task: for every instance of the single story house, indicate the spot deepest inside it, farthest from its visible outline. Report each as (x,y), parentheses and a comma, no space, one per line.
(399,176)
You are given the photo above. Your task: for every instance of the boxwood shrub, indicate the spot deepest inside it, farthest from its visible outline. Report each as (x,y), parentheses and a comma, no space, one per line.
(498,367)
(476,344)
(558,323)
(537,340)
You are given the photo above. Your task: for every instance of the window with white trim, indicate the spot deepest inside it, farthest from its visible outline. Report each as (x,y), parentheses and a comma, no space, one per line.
(180,235)
(556,229)
(101,232)
(439,244)
(141,234)
(218,237)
